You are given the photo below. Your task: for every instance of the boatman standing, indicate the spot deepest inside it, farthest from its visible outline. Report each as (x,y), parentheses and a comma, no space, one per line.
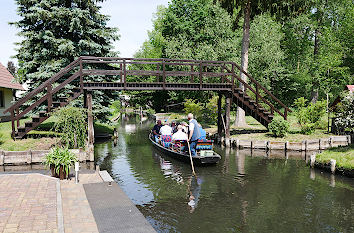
(194,133)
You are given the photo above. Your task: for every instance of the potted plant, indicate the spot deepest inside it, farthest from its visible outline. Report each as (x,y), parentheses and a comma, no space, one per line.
(50,160)
(60,159)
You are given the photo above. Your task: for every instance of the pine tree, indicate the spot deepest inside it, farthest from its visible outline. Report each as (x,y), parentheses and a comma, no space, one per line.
(56,32)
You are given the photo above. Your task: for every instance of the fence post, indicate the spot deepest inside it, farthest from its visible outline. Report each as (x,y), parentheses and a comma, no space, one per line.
(2,157)
(81,76)
(305,146)
(29,157)
(330,142)
(49,96)
(200,75)
(163,74)
(233,77)
(312,159)
(124,74)
(192,75)
(319,144)
(18,120)
(13,123)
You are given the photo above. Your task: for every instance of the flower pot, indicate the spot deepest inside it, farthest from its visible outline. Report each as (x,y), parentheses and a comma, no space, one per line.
(62,173)
(52,169)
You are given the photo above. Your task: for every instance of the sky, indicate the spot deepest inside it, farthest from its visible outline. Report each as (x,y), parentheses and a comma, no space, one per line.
(132,17)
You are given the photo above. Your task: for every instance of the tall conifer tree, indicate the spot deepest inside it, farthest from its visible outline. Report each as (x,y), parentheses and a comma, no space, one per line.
(56,32)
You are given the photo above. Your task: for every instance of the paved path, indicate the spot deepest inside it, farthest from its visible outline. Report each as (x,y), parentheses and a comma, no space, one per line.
(39,203)
(28,203)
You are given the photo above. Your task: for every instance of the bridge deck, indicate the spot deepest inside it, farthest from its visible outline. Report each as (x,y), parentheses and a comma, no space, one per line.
(136,86)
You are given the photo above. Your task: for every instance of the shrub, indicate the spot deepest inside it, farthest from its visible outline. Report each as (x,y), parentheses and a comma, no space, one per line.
(345,114)
(309,117)
(278,127)
(210,112)
(72,123)
(190,106)
(116,107)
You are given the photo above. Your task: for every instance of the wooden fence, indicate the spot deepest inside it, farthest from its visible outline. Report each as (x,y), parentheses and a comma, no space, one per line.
(33,156)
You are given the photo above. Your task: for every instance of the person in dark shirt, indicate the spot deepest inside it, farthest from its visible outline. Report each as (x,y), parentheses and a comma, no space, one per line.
(156,130)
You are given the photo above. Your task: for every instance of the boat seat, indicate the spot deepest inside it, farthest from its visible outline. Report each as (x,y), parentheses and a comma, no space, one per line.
(166,140)
(204,144)
(179,145)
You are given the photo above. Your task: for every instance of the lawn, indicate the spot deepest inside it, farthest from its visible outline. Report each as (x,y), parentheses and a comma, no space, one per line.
(256,131)
(43,138)
(344,156)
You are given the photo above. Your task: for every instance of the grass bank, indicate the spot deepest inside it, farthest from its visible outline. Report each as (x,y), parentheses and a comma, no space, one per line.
(43,138)
(344,156)
(256,131)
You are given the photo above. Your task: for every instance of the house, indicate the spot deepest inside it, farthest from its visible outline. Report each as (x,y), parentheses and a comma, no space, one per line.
(8,89)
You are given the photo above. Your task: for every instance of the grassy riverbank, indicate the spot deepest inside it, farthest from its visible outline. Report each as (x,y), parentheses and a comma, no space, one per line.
(344,156)
(256,131)
(43,138)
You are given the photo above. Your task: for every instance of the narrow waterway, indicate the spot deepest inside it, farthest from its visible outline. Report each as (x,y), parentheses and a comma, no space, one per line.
(240,194)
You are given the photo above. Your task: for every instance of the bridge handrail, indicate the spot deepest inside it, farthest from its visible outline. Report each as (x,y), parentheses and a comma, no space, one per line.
(54,78)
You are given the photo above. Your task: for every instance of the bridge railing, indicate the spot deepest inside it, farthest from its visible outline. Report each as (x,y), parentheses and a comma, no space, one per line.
(194,72)
(223,72)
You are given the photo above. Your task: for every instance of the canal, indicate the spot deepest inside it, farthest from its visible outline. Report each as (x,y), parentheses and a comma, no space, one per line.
(242,193)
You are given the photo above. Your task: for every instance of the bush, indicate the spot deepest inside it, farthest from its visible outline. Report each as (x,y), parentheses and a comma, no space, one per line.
(72,123)
(210,112)
(60,157)
(116,107)
(344,120)
(309,117)
(190,106)
(278,127)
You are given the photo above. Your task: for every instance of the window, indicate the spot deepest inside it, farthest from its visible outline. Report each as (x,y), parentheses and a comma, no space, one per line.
(2,99)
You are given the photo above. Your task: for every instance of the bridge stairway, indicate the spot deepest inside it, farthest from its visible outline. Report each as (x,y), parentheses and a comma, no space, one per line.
(221,76)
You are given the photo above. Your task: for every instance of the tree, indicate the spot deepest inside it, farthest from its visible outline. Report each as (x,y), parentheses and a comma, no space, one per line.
(251,8)
(12,68)
(56,33)
(188,29)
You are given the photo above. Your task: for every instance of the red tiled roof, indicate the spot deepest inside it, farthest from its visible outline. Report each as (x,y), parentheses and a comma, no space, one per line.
(7,80)
(350,88)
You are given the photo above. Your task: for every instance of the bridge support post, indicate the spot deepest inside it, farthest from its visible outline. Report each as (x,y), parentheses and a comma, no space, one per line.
(227,120)
(219,116)
(90,129)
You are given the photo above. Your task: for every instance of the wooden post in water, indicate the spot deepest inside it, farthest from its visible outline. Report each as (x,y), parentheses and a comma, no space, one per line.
(227,120)
(90,129)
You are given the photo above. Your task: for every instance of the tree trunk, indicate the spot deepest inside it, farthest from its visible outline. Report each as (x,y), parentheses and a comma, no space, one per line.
(314,93)
(240,114)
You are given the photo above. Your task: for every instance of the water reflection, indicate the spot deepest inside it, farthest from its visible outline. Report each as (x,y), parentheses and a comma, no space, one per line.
(240,194)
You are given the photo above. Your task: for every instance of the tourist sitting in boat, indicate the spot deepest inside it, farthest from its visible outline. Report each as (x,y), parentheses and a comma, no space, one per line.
(156,130)
(166,130)
(184,127)
(179,135)
(174,127)
(194,134)
(202,132)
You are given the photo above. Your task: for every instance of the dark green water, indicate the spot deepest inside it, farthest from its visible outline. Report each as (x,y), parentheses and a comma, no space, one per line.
(240,194)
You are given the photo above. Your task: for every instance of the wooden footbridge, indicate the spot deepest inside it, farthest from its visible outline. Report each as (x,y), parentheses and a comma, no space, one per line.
(132,73)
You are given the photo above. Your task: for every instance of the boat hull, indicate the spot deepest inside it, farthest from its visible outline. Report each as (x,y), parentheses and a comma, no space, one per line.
(197,160)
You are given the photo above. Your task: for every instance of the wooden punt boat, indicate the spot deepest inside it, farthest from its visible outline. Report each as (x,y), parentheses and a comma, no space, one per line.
(198,160)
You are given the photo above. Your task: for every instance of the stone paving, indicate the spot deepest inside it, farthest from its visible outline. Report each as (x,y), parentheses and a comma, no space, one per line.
(28,203)
(77,213)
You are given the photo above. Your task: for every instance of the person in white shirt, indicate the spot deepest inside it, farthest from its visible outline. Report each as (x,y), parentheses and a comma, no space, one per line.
(166,130)
(179,135)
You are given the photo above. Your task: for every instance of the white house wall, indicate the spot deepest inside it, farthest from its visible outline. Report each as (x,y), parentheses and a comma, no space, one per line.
(7,100)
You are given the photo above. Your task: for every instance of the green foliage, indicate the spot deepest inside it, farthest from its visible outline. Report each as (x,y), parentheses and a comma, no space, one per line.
(186,29)
(344,156)
(278,127)
(190,106)
(54,33)
(344,120)
(116,107)
(150,111)
(210,112)
(71,122)
(309,117)
(60,157)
